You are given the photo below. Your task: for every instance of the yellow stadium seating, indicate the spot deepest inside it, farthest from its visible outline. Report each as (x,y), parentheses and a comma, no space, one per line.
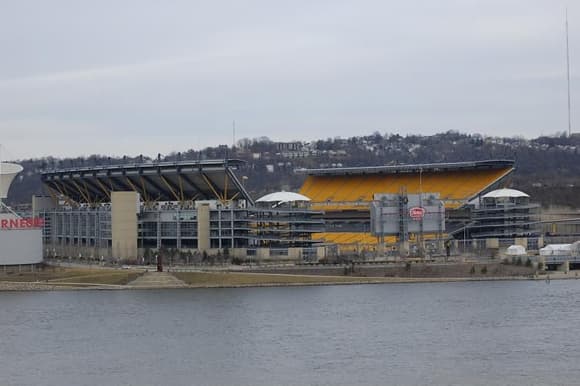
(355,192)
(340,192)
(352,241)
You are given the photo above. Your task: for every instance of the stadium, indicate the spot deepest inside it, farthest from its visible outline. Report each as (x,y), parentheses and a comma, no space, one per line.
(186,208)
(192,209)
(345,195)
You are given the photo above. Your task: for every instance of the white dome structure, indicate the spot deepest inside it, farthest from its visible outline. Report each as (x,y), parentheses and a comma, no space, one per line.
(8,172)
(281,197)
(505,193)
(505,213)
(516,250)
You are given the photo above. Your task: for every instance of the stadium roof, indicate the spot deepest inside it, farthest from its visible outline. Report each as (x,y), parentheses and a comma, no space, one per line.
(410,168)
(161,181)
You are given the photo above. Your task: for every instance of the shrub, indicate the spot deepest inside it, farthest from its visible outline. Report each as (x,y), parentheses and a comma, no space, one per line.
(472,270)
(519,261)
(528,262)
(147,254)
(484,270)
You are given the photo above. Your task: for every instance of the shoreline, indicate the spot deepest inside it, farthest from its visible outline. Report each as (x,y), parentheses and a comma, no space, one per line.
(23,286)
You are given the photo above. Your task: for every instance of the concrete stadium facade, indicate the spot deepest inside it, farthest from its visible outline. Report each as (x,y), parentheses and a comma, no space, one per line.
(189,209)
(199,208)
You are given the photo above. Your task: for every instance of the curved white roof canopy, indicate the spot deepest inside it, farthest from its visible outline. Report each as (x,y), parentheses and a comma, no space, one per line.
(281,197)
(7,173)
(502,193)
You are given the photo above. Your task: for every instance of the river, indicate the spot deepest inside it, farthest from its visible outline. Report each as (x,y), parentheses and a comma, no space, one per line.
(471,333)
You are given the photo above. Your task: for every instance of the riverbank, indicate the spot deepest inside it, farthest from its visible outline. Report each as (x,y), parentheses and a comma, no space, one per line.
(60,278)
(469,269)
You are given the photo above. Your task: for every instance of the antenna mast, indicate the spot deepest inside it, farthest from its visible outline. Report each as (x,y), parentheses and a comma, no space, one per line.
(233,134)
(568,76)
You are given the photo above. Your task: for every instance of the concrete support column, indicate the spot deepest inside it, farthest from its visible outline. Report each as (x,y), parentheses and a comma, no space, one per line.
(219,228)
(295,254)
(492,243)
(158,231)
(564,267)
(263,253)
(320,252)
(178,227)
(40,204)
(203,242)
(404,249)
(124,207)
(240,253)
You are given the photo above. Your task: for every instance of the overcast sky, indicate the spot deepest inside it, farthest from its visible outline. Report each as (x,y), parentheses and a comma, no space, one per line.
(131,77)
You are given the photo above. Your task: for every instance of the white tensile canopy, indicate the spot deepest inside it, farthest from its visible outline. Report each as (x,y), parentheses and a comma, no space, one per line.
(516,250)
(501,193)
(556,249)
(283,197)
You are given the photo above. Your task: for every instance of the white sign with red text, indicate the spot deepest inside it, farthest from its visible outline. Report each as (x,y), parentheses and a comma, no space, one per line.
(21,223)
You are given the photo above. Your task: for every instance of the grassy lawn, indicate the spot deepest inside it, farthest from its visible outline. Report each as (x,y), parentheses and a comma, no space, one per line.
(57,275)
(233,279)
(63,275)
(116,278)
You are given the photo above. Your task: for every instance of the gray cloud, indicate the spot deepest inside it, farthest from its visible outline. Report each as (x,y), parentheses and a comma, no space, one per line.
(146,77)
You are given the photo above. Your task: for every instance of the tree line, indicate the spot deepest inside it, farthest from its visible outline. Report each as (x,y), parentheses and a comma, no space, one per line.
(547,167)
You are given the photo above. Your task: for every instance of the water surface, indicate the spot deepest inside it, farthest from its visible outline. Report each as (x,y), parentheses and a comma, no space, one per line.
(474,333)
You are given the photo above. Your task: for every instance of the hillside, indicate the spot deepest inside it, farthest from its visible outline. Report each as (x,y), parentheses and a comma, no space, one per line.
(548,168)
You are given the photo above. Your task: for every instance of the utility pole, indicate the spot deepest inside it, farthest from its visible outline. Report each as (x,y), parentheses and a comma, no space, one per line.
(568,76)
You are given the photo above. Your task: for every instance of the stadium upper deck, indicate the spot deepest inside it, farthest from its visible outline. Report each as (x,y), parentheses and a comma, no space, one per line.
(162,181)
(354,187)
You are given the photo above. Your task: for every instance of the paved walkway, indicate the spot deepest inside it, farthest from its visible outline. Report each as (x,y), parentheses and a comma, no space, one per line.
(157,280)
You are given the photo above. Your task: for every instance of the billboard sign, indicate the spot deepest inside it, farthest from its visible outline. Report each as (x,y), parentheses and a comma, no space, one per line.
(395,214)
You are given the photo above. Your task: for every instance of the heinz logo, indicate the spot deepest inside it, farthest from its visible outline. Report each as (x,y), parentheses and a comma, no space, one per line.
(22,223)
(417,213)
